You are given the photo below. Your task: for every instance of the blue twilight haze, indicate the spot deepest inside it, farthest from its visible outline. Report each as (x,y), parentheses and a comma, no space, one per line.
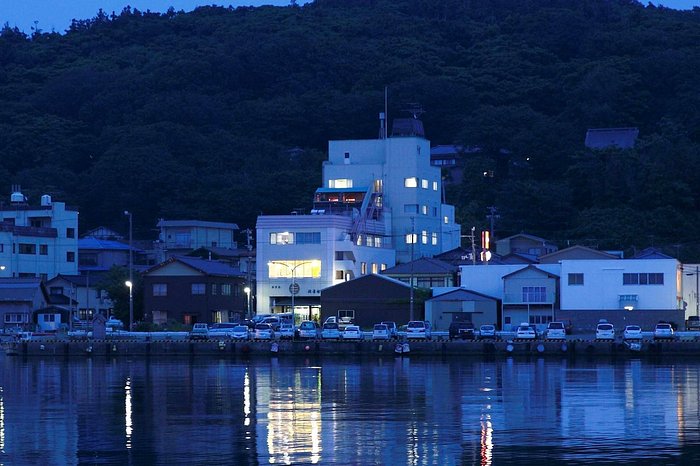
(52,15)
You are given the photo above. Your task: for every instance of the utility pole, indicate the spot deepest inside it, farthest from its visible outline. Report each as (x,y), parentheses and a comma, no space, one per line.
(249,247)
(492,216)
(472,237)
(413,241)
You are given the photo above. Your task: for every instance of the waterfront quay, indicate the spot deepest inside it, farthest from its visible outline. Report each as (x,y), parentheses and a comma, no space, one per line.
(560,348)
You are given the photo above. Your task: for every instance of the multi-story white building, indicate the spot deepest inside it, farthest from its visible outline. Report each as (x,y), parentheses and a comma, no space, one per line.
(381,202)
(38,240)
(181,236)
(299,255)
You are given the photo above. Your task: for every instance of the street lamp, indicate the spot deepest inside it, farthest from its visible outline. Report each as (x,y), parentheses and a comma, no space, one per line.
(130,283)
(293,288)
(247,292)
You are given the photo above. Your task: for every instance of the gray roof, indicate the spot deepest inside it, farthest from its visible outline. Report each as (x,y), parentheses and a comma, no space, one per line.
(462,294)
(91,242)
(424,265)
(196,223)
(19,289)
(604,138)
(207,267)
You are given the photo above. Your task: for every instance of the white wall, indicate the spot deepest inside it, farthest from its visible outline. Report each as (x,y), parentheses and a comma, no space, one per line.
(603,284)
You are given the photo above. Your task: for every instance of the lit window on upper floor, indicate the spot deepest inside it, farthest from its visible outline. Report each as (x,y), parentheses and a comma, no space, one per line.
(382,267)
(424,209)
(424,183)
(375,268)
(282,238)
(377,241)
(410,182)
(411,238)
(446,219)
(435,185)
(424,237)
(363,268)
(340,183)
(434,239)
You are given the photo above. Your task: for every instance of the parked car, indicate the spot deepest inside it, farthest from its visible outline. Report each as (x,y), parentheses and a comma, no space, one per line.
(393,330)
(330,331)
(604,331)
(287,331)
(663,331)
(692,324)
(240,332)
(221,330)
(487,331)
(526,331)
(344,322)
(275,322)
(331,320)
(418,329)
(632,332)
(380,332)
(461,331)
(264,332)
(353,332)
(200,331)
(309,330)
(555,331)
(114,323)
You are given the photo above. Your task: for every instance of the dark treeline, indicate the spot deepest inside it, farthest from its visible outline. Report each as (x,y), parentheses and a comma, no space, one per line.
(195,115)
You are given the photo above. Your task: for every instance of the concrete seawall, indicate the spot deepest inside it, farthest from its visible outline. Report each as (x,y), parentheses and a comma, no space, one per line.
(116,348)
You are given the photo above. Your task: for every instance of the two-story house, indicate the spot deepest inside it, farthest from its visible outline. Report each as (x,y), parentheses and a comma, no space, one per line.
(190,290)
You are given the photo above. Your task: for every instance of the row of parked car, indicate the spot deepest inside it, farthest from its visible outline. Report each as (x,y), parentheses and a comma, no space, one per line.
(606,331)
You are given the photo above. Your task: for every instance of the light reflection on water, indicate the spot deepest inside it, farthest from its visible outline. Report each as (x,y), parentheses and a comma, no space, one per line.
(346,411)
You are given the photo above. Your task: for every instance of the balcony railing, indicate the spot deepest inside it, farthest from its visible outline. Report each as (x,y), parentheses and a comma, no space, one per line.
(530,298)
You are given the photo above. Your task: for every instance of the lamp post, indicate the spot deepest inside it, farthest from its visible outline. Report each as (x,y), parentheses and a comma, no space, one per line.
(130,283)
(247,292)
(293,288)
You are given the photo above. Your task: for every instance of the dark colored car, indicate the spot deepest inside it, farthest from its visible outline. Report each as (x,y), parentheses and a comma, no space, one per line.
(461,330)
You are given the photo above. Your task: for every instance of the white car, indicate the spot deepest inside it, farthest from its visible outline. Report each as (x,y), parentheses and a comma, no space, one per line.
(309,330)
(380,332)
(525,331)
(487,331)
(352,332)
(287,331)
(663,331)
(632,332)
(264,332)
(604,331)
(555,331)
(221,330)
(240,332)
(393,330)
(330,331)
(418,329)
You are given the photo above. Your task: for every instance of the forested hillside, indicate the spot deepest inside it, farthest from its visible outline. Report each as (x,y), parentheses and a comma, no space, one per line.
(194,115)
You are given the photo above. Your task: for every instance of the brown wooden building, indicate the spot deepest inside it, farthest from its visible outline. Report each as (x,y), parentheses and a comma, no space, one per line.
(190,290)
(370,299)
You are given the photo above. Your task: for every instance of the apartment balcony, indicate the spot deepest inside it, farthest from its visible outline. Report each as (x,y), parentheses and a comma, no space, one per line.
(530,298)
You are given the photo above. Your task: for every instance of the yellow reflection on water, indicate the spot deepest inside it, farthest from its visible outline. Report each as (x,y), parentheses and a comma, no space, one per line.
(127,412)
(294,421)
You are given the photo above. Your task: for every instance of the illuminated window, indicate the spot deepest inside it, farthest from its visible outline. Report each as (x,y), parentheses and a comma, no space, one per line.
(446,219)
(435,185)
(424,184)
(434,239)
(363,268)
(299,269)
(411,238)
(377,241)
(359,240)
(424,209)
(340,183)
(382,267)
(282,238)
(424,237)
(375,268)
(410,182)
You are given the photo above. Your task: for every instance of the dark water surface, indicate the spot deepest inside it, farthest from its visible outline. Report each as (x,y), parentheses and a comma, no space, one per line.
(346,411)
